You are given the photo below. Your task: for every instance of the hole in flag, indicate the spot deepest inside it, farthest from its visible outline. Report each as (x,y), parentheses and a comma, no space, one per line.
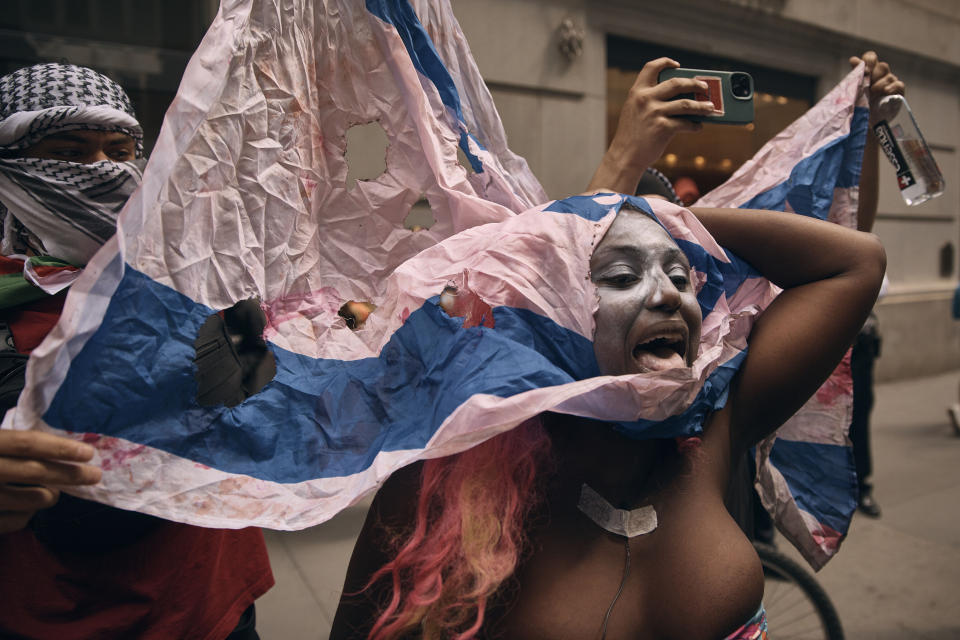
(464,161)
(366,153)
(420,216)
(356,313)
(448,298)
(232,359)
(460,302)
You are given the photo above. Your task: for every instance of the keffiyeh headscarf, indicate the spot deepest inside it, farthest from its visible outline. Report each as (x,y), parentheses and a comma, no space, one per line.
(65,210)
(44,99)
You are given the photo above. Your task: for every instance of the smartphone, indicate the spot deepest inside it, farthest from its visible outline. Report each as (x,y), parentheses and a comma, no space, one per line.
(731,93)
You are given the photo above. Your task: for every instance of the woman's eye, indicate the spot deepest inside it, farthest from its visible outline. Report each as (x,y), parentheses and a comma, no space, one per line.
(619,279)
(680,281)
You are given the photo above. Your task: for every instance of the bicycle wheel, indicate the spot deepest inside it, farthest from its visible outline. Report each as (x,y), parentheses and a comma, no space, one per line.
(797,606)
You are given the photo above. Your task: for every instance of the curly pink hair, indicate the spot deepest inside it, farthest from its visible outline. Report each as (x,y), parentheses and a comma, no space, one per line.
(467,538)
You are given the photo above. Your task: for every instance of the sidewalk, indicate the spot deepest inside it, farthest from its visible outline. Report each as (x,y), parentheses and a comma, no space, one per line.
(896,577)
(899,576)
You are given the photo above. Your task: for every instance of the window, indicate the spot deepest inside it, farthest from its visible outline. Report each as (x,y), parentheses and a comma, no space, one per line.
(710,157)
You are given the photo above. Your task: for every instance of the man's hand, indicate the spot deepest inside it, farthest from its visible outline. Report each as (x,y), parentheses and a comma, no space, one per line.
(882,81)
(32,465)
(647,124)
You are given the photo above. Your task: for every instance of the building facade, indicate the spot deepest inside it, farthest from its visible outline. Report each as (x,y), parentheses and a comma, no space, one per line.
(558,109)
(145,46)
(558,71)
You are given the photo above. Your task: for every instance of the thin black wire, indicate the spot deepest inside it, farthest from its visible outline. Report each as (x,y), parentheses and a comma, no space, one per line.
(623,583)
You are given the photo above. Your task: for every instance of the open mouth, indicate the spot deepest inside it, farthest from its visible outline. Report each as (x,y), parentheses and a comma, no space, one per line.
(660,352)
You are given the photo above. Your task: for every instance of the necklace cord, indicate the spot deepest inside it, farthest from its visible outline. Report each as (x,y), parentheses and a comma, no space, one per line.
(623,583)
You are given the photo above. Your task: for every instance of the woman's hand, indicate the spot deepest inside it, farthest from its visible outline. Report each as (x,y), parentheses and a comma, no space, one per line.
(648,121)
(32,465)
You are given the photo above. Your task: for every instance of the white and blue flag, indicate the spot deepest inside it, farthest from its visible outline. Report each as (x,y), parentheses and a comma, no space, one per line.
(247,195)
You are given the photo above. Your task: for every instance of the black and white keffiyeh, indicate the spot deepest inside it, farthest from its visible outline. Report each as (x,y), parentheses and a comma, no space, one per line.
(51,207)
(38,101)
(62,209)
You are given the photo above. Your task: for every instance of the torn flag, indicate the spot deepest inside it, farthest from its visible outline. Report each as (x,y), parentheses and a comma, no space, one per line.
(248,194)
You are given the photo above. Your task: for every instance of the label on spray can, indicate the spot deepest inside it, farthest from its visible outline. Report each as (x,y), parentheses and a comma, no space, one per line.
(887,143)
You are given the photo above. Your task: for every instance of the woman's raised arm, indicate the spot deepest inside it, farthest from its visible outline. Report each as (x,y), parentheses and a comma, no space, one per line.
(830,276)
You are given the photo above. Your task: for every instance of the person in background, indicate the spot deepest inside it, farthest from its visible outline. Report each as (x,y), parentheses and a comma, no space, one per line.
(687,190)
(953,411)
(70,149)
(648,122)
(866,347)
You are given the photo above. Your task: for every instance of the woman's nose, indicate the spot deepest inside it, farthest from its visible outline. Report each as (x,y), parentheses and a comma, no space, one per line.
(663,295)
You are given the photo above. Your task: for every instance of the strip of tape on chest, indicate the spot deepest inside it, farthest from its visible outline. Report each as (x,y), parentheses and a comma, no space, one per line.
(622,522)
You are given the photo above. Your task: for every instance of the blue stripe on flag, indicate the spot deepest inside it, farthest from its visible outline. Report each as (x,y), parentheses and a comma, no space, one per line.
(722,277)
(134,380)
(567,350)
(426,60)
(853,158)
(586,207)
(809,189)
(419,46)
(821,478)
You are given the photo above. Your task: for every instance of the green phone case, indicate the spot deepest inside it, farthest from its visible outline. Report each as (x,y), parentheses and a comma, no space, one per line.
(730,108)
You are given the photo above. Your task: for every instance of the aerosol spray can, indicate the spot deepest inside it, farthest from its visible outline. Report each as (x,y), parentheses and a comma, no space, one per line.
(918,175)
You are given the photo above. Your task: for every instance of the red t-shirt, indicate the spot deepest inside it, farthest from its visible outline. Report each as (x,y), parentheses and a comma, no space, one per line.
(170,582)
(177,582)
(30,323)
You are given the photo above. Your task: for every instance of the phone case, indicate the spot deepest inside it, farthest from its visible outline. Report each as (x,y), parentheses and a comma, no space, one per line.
(728,108)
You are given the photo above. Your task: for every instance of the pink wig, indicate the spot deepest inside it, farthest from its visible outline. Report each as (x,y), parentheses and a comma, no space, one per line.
(467,538)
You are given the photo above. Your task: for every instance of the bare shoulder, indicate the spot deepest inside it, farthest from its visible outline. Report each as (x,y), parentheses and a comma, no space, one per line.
(392,509)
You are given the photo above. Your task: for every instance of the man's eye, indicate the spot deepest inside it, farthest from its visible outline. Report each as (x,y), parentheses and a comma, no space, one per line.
(66,153)
(120,154)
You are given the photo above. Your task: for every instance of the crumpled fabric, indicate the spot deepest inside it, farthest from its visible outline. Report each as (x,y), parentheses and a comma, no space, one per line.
(806,476)
(247,195)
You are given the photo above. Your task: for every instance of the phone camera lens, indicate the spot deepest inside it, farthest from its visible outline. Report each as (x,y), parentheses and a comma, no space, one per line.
(740,85)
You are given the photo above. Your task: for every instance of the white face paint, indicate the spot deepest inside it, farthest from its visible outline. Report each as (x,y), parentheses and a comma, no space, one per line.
(648,318)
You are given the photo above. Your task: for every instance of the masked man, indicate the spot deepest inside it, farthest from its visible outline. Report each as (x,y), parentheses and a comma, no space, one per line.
(70,156)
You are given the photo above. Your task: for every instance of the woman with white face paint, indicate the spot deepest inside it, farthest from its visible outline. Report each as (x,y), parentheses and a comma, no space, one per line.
(604,535)
(567,528)
(648,318)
